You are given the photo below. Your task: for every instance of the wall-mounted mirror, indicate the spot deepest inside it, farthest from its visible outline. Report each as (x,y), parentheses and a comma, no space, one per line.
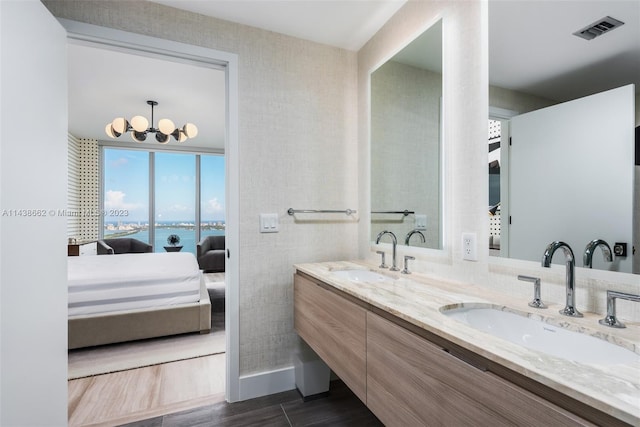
(545,74)
(406,143)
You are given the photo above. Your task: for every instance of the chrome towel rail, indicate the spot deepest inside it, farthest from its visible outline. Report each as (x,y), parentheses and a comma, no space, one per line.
(404,212)
(292,211)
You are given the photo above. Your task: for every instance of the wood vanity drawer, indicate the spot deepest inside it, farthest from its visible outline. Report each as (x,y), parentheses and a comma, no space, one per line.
(411,381)
(336,330)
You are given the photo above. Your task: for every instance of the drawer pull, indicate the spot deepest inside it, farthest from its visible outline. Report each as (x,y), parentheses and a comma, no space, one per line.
(469,361)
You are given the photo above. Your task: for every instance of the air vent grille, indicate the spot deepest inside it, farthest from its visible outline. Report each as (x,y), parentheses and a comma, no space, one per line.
(598,28)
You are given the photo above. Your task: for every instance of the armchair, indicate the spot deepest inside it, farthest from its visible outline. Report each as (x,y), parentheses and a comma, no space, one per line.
(210,252)
(124,245)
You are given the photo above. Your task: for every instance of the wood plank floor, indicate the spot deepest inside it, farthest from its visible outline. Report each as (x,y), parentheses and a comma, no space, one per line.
(138,394)
(340,408)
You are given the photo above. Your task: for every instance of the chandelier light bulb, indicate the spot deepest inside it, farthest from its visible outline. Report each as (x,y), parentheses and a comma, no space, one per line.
(109,131)
(162,138)
(179,135)
(138,136)
(166,126)
(190,130)
(120,125)
(139,123)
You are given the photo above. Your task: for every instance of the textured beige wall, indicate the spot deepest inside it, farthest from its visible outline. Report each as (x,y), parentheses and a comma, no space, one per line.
(297,145)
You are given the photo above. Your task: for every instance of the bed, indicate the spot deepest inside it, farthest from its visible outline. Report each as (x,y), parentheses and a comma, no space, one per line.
(127,297)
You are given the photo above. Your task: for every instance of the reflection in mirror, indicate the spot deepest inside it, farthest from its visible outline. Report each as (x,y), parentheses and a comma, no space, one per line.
(541,78)
(406,151)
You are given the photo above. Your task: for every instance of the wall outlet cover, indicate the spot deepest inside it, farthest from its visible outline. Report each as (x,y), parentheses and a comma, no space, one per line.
(469,247)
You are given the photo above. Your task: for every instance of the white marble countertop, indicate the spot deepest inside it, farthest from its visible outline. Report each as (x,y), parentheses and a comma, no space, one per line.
(418,298)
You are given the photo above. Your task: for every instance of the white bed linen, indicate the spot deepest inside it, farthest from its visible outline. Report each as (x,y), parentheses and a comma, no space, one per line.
(107,283)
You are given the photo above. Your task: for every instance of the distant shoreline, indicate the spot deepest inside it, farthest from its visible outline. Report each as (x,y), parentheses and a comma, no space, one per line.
(124,233)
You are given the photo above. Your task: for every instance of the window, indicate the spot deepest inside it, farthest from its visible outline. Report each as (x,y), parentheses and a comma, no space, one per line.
(175,200)
(212,196)
(126,194)
(152,195)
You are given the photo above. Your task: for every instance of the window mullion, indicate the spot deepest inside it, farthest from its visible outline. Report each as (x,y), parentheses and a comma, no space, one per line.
(152,200)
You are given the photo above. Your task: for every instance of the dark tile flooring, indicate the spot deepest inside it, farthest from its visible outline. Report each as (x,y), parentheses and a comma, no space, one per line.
(340,408)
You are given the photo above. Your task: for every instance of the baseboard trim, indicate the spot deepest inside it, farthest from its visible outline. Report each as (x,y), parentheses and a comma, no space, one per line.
(268,382)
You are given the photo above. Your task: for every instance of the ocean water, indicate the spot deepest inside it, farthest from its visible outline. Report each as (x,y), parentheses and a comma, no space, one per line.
(187,237)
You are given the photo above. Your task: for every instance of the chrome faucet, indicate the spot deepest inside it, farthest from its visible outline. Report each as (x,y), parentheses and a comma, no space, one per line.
(570,306)
(610,319)
(394,241)
(411,233)
(591,247)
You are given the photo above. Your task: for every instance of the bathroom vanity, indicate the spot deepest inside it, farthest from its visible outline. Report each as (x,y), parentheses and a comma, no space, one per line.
(386,336)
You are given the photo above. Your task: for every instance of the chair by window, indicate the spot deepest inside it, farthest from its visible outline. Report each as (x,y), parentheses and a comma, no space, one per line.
(123,245)
(210,252)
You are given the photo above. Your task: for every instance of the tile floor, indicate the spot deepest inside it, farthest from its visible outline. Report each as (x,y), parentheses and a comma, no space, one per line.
(340,408)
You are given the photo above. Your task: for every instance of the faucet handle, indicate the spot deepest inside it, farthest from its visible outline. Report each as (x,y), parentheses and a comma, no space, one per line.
(382,265)
(610,319)
(537,302)
(406,264)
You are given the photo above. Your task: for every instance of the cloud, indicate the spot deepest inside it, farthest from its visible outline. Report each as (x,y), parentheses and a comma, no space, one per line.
(119,162)
(178,208)
(115,199)
(213,206)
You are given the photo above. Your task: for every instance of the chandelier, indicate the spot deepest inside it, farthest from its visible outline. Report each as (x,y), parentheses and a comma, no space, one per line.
(139,128)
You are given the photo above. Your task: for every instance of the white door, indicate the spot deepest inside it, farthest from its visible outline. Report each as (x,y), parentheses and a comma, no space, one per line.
(33,186)
(571,177)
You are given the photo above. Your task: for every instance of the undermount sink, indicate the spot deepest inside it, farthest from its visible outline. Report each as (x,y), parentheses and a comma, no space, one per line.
(361,276)
(541,336)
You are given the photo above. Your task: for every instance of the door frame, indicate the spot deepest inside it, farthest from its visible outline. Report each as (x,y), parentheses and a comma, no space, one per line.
(504,117)
(78,32)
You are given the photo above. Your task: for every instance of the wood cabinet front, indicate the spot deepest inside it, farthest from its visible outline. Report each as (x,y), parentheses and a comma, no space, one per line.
(336,330)
(411,381)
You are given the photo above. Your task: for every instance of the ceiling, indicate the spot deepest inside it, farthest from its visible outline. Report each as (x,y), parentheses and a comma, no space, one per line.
(105,84)
(531,49)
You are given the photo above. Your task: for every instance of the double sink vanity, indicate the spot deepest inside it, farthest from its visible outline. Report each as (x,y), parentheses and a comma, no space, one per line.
(419,350)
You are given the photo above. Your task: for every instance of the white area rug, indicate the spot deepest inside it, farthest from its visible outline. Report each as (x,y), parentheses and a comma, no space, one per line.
(137,354)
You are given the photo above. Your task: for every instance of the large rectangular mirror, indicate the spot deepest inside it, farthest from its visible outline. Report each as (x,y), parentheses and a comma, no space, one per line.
(406,143)
(558,83)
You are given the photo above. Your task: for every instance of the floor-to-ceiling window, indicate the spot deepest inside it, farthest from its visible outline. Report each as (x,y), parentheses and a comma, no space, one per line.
(126,193)
(212,196)
(151,196)
(175,200)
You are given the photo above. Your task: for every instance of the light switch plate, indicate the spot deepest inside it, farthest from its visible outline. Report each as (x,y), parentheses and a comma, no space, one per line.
(421,222)
(269,223)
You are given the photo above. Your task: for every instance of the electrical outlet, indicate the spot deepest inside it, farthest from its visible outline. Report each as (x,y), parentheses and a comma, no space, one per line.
(469,247)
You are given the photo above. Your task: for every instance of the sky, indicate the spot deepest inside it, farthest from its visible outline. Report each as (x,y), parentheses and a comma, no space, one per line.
(126,186)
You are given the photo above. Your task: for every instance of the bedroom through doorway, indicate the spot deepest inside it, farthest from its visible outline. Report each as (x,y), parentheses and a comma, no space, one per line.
(210,365)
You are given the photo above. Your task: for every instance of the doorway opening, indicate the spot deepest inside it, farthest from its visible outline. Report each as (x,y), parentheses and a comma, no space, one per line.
(144,46)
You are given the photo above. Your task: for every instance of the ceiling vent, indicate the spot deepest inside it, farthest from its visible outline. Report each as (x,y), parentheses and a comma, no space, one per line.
(598,28)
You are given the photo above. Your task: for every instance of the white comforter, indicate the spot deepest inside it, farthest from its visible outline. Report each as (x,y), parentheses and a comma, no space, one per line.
(107,283)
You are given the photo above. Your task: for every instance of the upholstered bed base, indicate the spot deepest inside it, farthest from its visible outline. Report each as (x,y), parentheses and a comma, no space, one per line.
(92,330)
